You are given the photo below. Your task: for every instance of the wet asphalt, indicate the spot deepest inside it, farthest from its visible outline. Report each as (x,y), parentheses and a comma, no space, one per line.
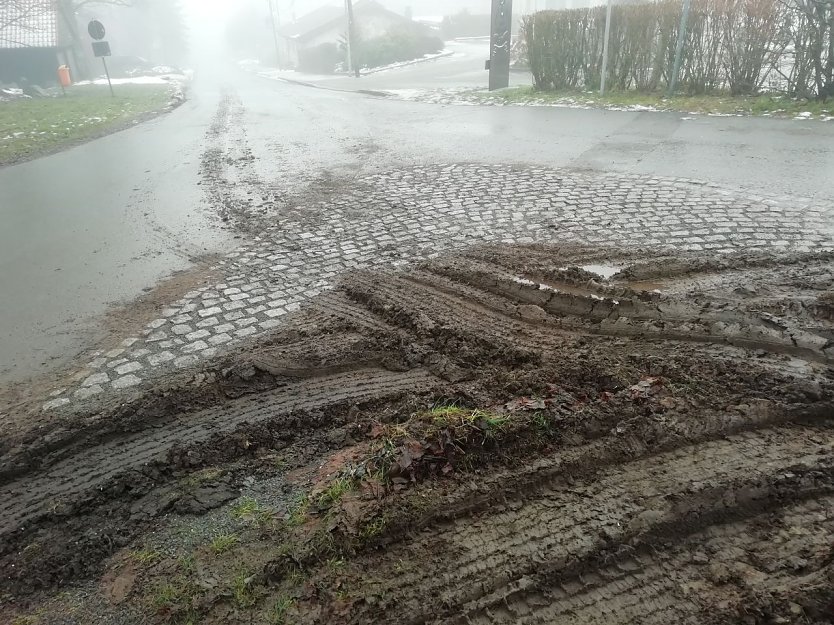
(92,227)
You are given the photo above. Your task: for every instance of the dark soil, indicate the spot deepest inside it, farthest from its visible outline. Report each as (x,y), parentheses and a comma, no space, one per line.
(655,447)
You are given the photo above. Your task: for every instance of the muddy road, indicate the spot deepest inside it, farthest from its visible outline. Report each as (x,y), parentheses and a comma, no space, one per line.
(507,435)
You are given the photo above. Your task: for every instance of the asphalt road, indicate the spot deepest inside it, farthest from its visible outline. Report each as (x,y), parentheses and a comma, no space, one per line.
(94,226)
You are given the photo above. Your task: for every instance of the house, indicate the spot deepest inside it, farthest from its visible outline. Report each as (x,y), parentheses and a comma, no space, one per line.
(328,25)
(32,43)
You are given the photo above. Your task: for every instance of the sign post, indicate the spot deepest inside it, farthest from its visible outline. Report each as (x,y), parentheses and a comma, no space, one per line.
(101,49)
(676,69)
(500,43)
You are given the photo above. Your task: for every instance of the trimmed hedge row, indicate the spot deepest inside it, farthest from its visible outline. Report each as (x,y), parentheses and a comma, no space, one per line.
(742,46)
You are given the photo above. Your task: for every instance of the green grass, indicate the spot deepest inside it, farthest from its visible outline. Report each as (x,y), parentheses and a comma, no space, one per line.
(243,591)
(201,477)
(455,416)
(298,511)
(282,606)
(221,544)
(762,105)
(176,599)
(35,126)
(248,508)
(335,491)
(145,557)
(373,528)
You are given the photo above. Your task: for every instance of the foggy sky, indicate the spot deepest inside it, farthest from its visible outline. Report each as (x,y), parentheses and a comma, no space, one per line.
(201,10)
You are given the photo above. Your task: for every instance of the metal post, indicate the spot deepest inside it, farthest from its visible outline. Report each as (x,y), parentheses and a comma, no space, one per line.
(275,34)
(107,73)
(673,81)
(500,44)
(351,43)
(605,49)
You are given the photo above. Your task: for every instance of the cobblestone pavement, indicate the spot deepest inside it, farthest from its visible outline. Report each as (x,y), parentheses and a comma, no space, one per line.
(403,215)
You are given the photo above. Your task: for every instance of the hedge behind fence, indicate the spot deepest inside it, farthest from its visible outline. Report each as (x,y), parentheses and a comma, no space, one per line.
(744,46)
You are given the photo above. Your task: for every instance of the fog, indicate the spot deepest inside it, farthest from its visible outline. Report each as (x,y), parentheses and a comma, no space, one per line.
(209,21)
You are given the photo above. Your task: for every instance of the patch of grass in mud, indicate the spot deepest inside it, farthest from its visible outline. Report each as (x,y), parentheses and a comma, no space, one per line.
(297,513)
(145,557)
(221,544)
(335,491)
(437,441)
(248,509)
(174,601)
(202,477)
(279,615)
(244,592)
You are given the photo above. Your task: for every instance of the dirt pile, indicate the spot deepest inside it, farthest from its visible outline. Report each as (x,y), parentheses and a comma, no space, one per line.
(512,435)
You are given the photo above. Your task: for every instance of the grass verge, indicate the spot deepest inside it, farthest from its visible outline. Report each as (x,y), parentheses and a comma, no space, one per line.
(32,127)
(762,105)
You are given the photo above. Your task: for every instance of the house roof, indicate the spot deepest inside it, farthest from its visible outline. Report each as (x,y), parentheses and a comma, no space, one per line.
(313,22)
(327,17)
(28,24)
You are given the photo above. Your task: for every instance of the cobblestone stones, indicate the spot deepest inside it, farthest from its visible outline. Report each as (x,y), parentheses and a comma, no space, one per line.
(395,217)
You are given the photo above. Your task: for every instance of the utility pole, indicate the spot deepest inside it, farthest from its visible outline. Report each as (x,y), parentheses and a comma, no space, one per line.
(272,18)
(605,49)
(351,44)
(673,81)
(500,44)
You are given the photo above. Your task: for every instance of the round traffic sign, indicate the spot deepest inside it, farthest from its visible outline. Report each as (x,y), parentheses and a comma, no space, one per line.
(96,30)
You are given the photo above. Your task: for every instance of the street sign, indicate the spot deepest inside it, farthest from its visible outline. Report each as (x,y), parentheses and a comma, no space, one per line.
(96,30)
(101,48)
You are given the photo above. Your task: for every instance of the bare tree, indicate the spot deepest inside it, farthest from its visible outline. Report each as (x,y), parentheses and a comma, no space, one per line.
(17,16)
(820,19)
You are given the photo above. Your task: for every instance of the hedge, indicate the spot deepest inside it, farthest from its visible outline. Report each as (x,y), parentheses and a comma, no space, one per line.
(741,46)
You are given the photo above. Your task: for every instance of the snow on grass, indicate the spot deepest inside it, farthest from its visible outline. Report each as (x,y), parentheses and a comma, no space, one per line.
(162,79)
(36,125)
(423,59)
(715,106)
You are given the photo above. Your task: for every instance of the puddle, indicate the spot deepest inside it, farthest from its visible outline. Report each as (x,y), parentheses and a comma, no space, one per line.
(562,288)
(604,271)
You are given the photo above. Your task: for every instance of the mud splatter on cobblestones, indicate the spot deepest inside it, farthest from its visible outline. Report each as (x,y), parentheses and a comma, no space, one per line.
(399,216)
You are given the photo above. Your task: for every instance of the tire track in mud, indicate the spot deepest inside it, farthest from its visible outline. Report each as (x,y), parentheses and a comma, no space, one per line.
(95,466)
(648,586)
(95,475)
(486,560)
(477,326)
